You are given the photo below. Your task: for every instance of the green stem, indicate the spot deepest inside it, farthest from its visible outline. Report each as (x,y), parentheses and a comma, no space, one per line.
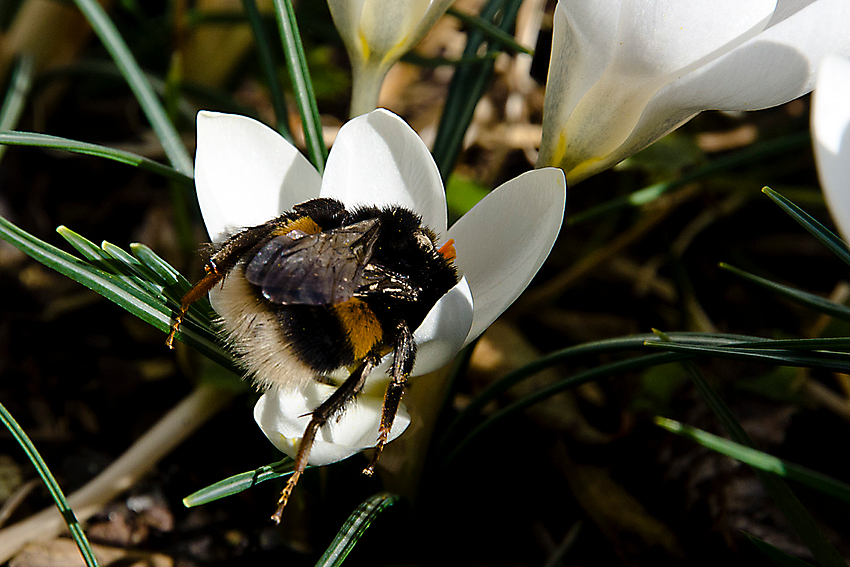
(366,82)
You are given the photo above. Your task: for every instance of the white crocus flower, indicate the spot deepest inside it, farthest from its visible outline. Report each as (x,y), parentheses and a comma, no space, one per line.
(246,174)
(376,34)
(626,72)
(831,137)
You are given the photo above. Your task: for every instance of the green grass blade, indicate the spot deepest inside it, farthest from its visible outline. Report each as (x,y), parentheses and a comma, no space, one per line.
(791,507)
(491,32)
(758,459)
(151,105)
(354,528)
(130,266)
(452,450)
(805,298)
(20,84)
(46,141)
(173,282)
(145,306)
(840,344)
(816,229)
(776,555)
(264,53)
(163,269)
(747,156)
(239,482)
(832,360)
(52,486)
(107,264)
(301,83)
(468,85)
(621,344)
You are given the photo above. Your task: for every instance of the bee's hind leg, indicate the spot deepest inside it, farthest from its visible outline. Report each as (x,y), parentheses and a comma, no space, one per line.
(330,407)
(404,354)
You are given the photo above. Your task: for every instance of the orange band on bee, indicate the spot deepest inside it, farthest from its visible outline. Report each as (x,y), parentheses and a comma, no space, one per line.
(360,324)
(448,250)
(303,224)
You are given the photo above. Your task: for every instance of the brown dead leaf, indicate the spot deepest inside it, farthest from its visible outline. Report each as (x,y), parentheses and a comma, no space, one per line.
(63,552)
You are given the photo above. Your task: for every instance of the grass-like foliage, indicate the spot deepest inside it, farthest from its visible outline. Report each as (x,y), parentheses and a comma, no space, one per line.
(140,281)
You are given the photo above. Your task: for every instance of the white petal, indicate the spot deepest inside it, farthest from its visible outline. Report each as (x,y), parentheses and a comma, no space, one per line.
(583,45)
(246,173)
(378,159)
(386,26)
(664,38)
(656,43)
(441,335)
(776,66)
(283,417)
(831,130)
(504,239)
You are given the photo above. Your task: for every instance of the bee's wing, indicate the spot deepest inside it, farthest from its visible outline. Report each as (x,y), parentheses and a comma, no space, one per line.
(325,268)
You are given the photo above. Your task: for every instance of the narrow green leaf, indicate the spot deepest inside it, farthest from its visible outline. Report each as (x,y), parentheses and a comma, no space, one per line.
(301,83)
(163,269)
(52,486)
(143,305)
(354,528)
(129,158)
(143,275)
(749,155)
(468,85)
(791,507)
(805,298)
(775,554)
(490,31)
(151,106)
(20,84)
(819,344)
(758,459)
(452,450)
(622,344)
(239,482)
(816,359)
(173,282)
(816,229)
(264,52)
(105,263)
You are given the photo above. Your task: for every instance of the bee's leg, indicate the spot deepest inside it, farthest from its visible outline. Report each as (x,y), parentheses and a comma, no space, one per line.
(200,289)
(330,407)
(220,263)
(404,354)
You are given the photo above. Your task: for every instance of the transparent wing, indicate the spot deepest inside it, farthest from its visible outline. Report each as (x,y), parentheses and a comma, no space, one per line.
(325,268)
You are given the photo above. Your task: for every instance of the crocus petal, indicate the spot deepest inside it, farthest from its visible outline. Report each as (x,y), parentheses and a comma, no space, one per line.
(831,130)
(246,173)
(377,159)
(386,26)
(778,65)
(283,417)
(504,239)
(655,44)
(671,61)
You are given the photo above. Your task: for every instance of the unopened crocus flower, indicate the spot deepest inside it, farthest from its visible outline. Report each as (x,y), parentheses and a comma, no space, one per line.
(247,174)
(831,137)
(376,34)
(626,72)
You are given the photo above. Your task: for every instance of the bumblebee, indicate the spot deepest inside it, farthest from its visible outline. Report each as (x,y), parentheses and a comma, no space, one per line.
(323,288)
